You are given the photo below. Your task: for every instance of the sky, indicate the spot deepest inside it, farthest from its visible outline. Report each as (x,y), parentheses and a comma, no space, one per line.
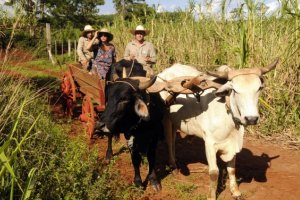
(168,5)
(171,5)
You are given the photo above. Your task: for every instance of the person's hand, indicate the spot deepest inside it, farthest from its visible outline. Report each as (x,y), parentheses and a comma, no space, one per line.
(85,62)
(147,59)
(132,57)
(96,34)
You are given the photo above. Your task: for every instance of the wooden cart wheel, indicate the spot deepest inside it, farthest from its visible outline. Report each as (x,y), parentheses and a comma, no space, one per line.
(69,93)
(88,114)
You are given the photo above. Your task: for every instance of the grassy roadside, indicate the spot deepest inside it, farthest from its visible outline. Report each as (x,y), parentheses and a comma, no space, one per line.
(38,159)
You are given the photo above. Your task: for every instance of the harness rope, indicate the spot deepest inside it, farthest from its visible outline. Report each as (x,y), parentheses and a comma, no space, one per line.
(123,82)
(131,69)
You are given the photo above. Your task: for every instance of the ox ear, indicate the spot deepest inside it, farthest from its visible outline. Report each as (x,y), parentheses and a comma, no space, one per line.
(224,90)
(141,109)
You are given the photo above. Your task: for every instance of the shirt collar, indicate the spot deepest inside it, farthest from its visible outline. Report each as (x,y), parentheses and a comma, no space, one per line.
(133,43)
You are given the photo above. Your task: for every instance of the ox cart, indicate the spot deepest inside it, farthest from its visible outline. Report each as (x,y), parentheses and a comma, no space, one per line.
(80,86)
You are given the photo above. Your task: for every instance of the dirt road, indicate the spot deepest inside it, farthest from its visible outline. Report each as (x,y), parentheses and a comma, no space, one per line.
(265,171)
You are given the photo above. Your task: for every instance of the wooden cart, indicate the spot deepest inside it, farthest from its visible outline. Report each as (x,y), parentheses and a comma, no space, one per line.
(78,84)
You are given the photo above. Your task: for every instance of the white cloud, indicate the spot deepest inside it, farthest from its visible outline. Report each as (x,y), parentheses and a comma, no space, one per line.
(273,7)
(160,9)
(173,7)
(166,8)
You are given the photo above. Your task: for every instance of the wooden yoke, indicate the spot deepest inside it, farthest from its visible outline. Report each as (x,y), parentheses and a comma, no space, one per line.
(181,85)
(188,85)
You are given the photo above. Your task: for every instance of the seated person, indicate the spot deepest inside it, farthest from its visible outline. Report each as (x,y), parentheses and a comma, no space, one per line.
(105,54)
(85,50)
(141,50)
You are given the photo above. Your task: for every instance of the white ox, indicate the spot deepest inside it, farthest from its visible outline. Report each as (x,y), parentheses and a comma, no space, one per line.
(218,121)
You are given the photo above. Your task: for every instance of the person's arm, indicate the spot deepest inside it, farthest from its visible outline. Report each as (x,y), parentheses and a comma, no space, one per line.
(92,42)
(80,47)
(114,55)
(127,52)
(152,55)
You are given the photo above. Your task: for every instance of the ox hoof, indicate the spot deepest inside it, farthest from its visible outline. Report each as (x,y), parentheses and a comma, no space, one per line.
(106,161)
(175,172)
(138,183)
(156,187)
(239,198)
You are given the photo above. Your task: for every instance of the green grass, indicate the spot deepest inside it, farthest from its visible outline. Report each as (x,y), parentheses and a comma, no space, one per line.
(27,72)
(45,64)
(39,160)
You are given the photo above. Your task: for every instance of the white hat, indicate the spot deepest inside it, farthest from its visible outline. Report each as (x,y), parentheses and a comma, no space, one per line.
(88,28)
(140,28)
(109,35)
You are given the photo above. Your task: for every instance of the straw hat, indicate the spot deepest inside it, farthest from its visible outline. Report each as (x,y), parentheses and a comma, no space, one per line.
(140,28)
(106,31)
(88,28)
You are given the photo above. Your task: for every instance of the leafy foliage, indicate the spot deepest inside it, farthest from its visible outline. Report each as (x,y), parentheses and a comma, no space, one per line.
(58,13)
(130,9)
(39,161)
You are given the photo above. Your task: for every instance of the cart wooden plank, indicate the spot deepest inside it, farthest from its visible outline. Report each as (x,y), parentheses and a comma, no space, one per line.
(88,84)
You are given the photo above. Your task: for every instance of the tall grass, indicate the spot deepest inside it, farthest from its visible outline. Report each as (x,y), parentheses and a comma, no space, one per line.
(39,161)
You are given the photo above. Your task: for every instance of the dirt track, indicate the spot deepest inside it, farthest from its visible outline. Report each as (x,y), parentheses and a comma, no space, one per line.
(265,171)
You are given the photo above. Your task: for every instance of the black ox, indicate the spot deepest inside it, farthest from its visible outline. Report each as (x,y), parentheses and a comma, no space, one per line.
(136,113)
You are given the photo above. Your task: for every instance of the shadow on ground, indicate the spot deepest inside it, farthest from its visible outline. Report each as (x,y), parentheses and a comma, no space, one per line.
(190,151)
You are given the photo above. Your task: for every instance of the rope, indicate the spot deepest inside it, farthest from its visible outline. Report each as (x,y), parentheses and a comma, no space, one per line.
(123,82)
(131,69)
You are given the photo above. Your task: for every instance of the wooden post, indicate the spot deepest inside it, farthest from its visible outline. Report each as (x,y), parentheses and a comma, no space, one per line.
(75,51)
(69,48)
(48,38)
(55,48)
(62,50)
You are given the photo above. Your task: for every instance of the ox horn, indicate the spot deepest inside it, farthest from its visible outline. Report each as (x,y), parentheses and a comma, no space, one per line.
(269,67)
(124,74)
(219,74)
(189,83)
(146,84)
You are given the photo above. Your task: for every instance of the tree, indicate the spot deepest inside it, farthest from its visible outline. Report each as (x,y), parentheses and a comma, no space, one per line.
(130,8)
(77,12)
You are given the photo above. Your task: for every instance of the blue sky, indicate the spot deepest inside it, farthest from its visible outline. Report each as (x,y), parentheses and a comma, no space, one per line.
(171,5)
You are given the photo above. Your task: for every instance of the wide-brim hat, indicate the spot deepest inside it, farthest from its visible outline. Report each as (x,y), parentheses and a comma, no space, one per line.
(88,28)
(140,28)
(109,34)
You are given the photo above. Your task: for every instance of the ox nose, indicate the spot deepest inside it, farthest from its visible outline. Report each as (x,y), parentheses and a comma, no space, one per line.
(251,120)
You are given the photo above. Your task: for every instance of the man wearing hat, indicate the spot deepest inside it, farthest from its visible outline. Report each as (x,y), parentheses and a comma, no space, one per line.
(86,53)
(140,50)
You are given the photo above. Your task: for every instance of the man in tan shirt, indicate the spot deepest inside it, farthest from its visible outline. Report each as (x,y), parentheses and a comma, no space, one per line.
(140,50)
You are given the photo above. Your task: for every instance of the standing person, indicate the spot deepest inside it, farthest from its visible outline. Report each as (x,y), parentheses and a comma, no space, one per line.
(140,50)
(106,54)
(84,51)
